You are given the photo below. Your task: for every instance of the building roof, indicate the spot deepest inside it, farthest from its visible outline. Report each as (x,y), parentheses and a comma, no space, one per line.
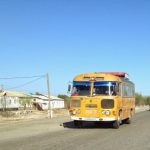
(21,94)
(45,97)
(14,94)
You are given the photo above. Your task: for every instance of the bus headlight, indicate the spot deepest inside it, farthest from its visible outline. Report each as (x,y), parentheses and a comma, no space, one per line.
(76,112)
(79,111)
(106,112)
(103,112)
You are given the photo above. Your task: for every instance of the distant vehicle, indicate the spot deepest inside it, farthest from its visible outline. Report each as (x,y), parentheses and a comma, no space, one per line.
(102,97)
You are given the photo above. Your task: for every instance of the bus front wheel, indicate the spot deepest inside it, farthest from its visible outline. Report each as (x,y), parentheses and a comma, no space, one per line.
(128,120)
(118,122)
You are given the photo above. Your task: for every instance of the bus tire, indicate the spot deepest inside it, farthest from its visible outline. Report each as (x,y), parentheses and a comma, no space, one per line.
(120,117)
(116,124)
(128,121)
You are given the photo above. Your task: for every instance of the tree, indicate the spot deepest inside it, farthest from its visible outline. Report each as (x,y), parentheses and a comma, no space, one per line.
(142,100)
(139,99)
(66,100)
(147,100)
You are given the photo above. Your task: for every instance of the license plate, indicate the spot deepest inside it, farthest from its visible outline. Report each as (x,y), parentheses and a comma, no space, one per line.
(91,111)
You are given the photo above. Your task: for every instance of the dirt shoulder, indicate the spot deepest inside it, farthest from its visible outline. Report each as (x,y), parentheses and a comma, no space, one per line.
(141,108)
(16,130)
(31,115)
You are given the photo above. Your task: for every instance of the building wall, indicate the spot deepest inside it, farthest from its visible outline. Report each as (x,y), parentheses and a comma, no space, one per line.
(9,102)
(54,103)
(57,104)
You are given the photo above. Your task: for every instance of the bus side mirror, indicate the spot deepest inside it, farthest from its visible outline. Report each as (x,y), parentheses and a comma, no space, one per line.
(69,88)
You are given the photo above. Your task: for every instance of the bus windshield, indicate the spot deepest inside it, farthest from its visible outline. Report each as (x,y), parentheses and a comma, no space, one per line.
(105,88)
(81,88)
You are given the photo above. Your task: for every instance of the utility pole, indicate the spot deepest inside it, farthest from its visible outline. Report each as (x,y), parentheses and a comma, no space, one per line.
(50,112)
(2,88)
(5,104)
(3,98)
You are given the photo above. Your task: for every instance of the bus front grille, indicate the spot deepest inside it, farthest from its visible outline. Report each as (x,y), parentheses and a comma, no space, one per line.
(107,103)
(91,106)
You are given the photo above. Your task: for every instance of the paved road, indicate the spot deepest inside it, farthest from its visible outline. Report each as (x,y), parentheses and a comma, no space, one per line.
(49,135)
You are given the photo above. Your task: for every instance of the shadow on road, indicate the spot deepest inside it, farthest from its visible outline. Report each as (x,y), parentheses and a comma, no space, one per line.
(88,125)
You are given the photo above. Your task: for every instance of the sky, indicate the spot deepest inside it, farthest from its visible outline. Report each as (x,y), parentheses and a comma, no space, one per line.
(68,37)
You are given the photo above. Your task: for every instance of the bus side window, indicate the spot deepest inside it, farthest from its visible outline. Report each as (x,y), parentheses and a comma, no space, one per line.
(119,89)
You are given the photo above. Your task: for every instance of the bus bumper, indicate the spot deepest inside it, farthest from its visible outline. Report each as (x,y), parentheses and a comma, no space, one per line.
(92,119)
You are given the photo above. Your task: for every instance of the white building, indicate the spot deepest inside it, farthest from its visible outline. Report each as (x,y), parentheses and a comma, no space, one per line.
(41,102)
(12,99)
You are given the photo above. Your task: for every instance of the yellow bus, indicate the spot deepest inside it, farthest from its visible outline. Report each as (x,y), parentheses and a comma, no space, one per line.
(102,97)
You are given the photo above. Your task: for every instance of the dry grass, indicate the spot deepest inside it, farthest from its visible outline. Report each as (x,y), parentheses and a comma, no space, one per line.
(34,114)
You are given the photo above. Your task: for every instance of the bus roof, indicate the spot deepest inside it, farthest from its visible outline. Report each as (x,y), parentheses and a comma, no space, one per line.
(103,76)
(118,74)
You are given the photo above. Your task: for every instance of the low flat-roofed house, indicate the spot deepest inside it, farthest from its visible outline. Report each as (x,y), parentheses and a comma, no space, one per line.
(12,99)
(41,102)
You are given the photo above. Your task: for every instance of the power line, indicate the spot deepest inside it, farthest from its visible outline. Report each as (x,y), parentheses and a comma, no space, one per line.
(27,83)
(27,77)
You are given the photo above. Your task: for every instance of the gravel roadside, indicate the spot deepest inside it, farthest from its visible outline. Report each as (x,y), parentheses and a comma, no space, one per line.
(141,108)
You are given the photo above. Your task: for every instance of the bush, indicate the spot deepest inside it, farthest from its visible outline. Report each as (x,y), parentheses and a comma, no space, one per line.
(7,114)
(141,100)
(147,100)
(66,100)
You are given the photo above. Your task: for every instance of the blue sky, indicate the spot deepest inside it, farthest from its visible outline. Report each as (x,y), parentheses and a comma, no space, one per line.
(69,37)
